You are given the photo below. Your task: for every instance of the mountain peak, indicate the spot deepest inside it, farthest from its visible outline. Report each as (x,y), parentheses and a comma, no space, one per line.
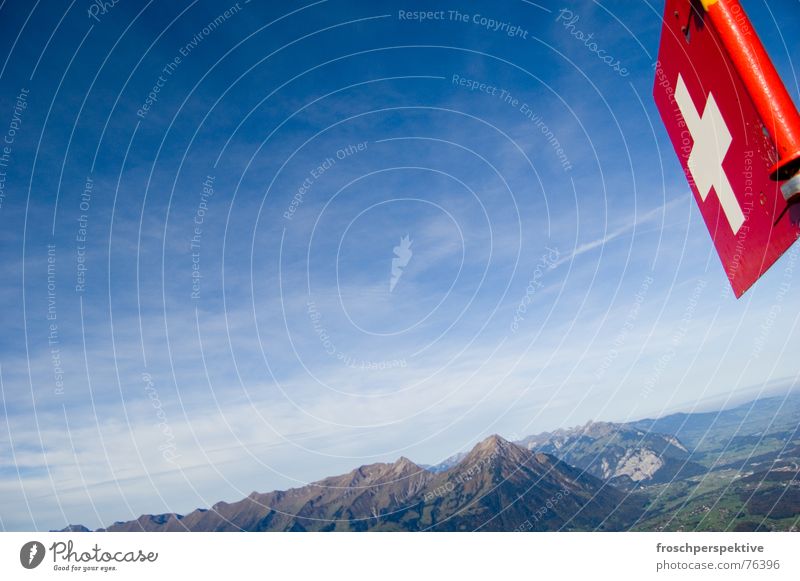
(404,466)
(494,442)
(380,472)
(403,461)
(491,447)
(599,429)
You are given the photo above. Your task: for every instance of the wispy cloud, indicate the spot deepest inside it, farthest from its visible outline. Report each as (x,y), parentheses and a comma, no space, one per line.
(629,226)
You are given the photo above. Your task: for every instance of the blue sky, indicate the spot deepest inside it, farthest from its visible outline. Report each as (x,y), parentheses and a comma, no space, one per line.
(559,270)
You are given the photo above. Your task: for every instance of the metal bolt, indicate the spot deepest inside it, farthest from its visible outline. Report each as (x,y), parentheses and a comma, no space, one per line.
(791,189)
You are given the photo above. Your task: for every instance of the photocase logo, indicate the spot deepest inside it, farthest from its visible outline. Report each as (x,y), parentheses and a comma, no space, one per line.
(31,554)
(402,256)
(100,8)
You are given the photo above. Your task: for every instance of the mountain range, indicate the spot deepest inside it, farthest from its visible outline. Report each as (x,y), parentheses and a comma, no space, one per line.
(736,469)
(621,454)
(497,486)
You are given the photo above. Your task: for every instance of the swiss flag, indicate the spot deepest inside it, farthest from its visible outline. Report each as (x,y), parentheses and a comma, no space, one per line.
(723,146)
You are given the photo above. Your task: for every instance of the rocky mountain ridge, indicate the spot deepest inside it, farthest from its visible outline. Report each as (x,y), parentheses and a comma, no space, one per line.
(498,486)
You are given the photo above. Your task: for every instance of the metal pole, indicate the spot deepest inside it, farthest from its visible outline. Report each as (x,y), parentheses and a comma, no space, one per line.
(762,82)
